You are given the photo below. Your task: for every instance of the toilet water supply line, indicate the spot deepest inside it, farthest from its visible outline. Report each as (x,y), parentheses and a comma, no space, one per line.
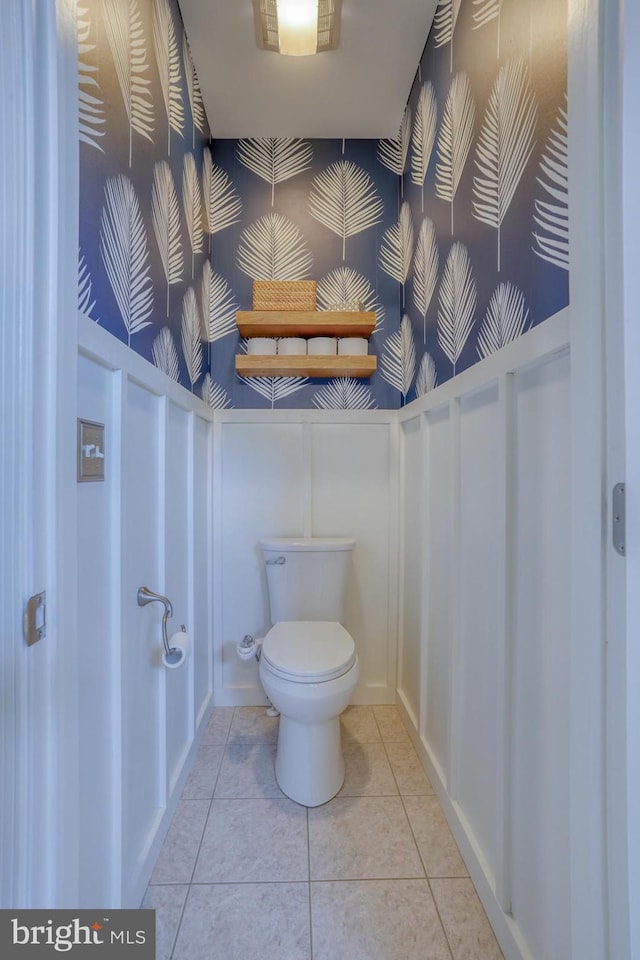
(172,656)
(247,649)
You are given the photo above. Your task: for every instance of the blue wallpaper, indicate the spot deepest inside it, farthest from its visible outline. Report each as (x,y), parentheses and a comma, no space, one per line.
(311,209)
(455,232)
(144,243)
(484,184)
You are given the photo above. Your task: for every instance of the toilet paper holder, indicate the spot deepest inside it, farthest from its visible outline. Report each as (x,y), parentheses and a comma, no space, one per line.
(172,655)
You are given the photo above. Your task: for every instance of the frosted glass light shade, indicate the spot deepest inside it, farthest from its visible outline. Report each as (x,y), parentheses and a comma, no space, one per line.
(297,27)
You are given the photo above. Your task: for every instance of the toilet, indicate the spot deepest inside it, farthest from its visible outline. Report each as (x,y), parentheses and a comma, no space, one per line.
(308,664)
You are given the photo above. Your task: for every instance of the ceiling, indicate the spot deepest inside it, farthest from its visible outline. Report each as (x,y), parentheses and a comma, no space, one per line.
(356,91)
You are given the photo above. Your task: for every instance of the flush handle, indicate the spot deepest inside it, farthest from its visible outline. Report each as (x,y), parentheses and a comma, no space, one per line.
(273,560)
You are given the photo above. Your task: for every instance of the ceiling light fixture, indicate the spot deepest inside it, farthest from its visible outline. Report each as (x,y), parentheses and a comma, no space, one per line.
(297,28)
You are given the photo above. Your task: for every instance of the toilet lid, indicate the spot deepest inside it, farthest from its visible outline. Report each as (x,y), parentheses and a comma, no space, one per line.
(309,651)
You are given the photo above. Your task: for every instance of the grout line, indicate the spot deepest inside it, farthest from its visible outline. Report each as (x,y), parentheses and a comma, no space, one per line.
(309,888)
(437,909)
(427,878)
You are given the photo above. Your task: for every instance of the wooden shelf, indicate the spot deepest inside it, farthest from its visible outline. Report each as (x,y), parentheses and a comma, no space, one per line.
(307,323)
(250,365)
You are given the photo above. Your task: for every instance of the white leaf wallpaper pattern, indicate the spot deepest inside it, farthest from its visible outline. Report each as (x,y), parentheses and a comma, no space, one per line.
(427,378)
(222,204)
(125,254)
(168,60)
(454,139)
(425,271)
(467,205)
(396,252)
(198,116)
(457,303)
(423,135)
(191,343)
(273,248)
(125,32)
(90,105)
(275,159)
(506,319)
(85,303)
(398,360)
(192,206)
(165,213)
(392,152)
(344,198)
(165,355)
(552,213)
(505,144)
(344,285)
(344,393)
(444,23)
(218,305)
(213,394)
(134,230)
(501,193)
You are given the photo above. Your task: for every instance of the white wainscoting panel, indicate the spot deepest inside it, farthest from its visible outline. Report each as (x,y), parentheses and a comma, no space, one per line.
(260,494)
(148,524)
(175,582)
(200,624)
(541,674)
(98,667)
(477,692)
(413,491)
(439,585)
(351,475)
(143,769)
(294,473)
(494,717)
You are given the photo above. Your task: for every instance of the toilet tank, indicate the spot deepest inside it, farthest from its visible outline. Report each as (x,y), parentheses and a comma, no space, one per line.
(307,577)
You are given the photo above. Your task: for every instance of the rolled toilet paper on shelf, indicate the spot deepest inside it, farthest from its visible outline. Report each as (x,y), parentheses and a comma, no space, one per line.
(292,346)
(322,346)
(263,346)
(179,650)
(353,347)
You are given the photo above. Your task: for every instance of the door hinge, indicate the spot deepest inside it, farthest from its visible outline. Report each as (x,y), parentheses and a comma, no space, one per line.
(618,519)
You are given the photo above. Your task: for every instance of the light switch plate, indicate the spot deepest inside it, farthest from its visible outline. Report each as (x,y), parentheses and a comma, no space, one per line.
(90,451)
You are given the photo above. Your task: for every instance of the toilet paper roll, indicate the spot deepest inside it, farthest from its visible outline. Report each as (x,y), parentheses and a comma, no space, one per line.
(263,346)
(292,346)
(322,346)
(353,346)
(179,650)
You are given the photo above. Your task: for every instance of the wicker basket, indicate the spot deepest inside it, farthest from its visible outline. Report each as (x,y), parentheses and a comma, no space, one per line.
(284,294)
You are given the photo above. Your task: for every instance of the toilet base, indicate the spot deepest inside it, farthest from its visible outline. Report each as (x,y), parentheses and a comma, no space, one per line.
(309,760)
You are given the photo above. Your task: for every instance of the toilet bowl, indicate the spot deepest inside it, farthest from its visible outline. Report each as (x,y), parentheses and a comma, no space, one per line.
(309,670)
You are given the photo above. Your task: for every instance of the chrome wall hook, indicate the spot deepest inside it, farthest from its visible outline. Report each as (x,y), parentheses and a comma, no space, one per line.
(146,596)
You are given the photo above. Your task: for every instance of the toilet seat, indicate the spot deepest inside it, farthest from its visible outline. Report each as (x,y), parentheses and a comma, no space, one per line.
(309,651)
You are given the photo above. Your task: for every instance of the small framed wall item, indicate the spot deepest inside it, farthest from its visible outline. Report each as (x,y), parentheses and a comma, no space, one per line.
(90,451)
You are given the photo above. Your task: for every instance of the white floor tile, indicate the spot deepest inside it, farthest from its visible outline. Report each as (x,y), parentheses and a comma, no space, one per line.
(245,922)
(253,841)
(353,838)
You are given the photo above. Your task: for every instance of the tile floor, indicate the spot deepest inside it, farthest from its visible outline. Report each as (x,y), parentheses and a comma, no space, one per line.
(374,874)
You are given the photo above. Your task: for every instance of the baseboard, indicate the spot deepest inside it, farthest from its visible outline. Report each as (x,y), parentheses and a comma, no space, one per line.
(254,697)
